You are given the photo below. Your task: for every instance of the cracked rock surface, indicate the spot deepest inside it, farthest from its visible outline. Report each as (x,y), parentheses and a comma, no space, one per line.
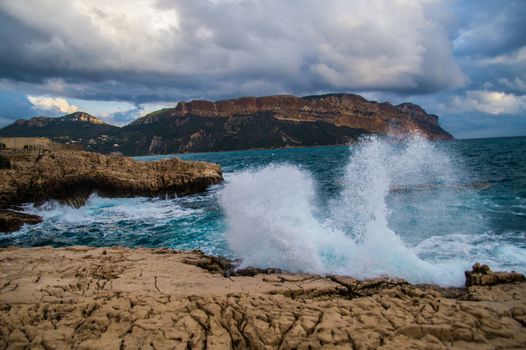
(120,298)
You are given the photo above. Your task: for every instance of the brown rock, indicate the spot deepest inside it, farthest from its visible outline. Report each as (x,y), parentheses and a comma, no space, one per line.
(243,123)
(481,275)
(13,221)
(108,298)
(71,177)
(273,121)
(341,109)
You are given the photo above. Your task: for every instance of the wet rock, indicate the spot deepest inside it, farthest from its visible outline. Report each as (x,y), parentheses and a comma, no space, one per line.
(13,221)
(71,177)
(227,267)
(212,264)
(482,275)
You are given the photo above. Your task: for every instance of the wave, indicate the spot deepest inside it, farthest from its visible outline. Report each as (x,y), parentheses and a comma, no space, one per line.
(273,219)
(181,223)
(99,210)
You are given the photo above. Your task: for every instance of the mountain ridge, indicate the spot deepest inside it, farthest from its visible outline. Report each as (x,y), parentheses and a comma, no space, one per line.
(253,122)
(72,117)
(73,126)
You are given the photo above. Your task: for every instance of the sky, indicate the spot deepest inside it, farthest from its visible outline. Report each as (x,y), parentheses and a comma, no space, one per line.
(462,60)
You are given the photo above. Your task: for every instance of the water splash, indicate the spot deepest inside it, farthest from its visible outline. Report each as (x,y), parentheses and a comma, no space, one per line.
(273,220)
(181,223)
(420,215)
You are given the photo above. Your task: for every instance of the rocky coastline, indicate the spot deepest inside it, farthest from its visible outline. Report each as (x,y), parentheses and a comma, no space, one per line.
(120,298)
(71,177)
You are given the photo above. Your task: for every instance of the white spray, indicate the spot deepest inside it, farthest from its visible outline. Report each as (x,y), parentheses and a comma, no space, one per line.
(271,220)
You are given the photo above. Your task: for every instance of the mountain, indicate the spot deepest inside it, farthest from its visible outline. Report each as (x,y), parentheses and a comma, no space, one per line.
(273,121)
(78,126)
(255,122)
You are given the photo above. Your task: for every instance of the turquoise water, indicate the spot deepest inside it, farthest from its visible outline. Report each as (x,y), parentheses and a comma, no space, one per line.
(419,210)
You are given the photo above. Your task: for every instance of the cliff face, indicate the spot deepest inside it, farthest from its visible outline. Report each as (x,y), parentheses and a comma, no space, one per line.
(277,121)
(245,123)
(338,109)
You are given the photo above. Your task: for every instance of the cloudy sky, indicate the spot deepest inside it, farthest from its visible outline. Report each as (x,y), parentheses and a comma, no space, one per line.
(463,60)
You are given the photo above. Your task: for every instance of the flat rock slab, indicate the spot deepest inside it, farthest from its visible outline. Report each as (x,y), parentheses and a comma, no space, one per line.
(119,298)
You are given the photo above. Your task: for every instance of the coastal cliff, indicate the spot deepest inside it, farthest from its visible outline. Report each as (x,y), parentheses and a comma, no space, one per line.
(71,177)
(274,121)
(120,298)
(243,123)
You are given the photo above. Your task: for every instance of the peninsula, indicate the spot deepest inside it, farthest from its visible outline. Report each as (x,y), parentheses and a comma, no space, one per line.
(236,124)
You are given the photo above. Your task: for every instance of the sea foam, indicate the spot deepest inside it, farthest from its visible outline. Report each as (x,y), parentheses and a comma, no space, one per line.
(273,219)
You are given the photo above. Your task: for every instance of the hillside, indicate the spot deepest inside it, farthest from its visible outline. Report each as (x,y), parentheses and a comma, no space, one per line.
(245,123)
(76,126)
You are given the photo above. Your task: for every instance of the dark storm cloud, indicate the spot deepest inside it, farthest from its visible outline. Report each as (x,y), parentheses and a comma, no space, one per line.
(490,27)
(454,56)
(226,48)
(14,62)
(491,45)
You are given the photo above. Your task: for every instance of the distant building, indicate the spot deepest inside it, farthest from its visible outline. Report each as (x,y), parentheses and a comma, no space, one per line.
(35,143)
(25,142)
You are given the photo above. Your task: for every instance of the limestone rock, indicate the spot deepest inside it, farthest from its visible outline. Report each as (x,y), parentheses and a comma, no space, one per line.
(274,121)
(110,298)
(13,221)
(482,275)
(71,177)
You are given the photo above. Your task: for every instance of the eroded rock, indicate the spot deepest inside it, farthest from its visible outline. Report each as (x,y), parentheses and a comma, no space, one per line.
(482,275)
(108,298)
(71,177)
(12,221)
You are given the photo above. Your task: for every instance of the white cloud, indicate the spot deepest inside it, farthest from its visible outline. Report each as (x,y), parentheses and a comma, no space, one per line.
(491,102)
(54,104)
(516,83)
(124,116)
(513,58)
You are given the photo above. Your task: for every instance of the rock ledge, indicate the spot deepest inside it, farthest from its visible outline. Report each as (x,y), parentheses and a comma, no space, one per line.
(481,275)
(71,177)
(119,298)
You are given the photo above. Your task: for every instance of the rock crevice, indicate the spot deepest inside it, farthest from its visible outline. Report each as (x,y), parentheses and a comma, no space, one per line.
(106,298)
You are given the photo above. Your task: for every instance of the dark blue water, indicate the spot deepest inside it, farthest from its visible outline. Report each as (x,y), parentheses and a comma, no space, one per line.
(358,210)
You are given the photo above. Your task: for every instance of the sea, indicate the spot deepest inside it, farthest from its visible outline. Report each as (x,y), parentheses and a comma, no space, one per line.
(420,210)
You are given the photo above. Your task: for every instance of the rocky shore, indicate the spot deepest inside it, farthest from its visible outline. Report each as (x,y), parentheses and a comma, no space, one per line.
(71,177)
(119,298)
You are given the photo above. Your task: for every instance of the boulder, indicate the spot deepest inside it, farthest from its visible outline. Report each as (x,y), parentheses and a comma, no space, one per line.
(482,275)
